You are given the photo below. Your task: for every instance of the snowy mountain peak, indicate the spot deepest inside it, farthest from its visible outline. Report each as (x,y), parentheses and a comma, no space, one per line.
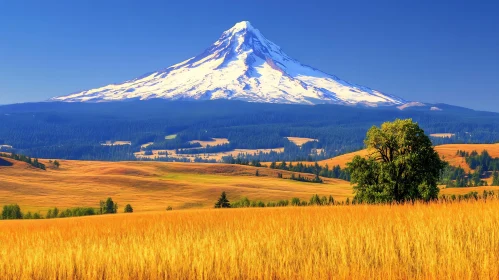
(244,65)
(243,25)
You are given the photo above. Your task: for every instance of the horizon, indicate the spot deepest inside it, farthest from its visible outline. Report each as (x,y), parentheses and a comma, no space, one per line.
(450,56)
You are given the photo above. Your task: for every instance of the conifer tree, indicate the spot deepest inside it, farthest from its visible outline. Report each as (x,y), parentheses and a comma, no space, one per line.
(222,202)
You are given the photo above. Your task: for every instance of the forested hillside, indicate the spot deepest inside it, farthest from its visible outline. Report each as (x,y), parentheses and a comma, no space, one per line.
(78,130)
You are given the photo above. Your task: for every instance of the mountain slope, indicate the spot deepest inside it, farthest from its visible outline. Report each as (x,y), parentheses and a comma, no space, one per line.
(242,64)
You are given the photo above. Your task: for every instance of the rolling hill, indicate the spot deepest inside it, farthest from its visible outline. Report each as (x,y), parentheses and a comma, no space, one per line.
(447,152)
(153,186)
(150,185)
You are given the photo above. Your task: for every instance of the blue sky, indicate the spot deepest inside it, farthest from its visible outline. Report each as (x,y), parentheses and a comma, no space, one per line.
(430,51)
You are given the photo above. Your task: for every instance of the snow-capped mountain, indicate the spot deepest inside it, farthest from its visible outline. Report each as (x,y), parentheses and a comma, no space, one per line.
(242,64)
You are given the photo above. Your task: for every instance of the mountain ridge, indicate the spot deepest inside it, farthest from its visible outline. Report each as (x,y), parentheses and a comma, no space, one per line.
(241,65)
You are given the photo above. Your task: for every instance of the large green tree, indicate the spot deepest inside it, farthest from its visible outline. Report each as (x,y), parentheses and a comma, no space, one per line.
(401,165)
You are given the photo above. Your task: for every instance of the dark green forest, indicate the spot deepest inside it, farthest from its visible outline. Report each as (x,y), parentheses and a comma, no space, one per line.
(77,130)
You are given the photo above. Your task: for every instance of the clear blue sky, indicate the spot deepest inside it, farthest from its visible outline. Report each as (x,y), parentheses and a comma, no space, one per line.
(430,51)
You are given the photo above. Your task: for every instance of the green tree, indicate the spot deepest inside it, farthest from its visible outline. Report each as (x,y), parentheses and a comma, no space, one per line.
(401,166)
(295,201)
(331,200)
(222,202)
(128,208)
(12,212)
(108,207)
(315,200)
(495,179)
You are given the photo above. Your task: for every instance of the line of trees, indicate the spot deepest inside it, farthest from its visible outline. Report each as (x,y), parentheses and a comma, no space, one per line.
(336,172)
(482,165)
(483,160)
(13,211)
(33,162)
(244,202)
(317,200)
(457,177)
(300,178)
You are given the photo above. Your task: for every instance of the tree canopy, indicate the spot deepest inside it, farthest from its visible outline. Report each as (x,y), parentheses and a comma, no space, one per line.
(401,165)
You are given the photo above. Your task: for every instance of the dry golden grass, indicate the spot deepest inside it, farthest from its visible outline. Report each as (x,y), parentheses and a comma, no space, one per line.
(457,191)
(436,241)
(150,186)
(300,140)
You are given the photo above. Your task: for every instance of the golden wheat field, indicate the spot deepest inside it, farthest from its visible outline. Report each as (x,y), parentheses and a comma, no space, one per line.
(435,241)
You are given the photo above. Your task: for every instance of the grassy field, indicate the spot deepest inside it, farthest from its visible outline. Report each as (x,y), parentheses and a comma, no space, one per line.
(150,186)
(435,241)
(153,186)
(447,152)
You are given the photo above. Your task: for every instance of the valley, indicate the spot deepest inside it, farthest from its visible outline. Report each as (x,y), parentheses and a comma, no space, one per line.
(153,186)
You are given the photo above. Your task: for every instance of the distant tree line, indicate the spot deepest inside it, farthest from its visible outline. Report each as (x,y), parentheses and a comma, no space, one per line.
(244,202)
(316,200)
(33,162)
(13,211)
(482,165)
(336,172)
(482,160)
(75,131)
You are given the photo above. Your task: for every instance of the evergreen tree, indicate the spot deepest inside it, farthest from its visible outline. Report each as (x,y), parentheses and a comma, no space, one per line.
(331,200)
(108,207)
(295,201)
(128,208)
(495,180)
(222,202)
(315,200)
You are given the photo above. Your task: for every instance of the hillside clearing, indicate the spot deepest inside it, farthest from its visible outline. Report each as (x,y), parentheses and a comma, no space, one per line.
(299,141)
(214,142)
(116,143)
(442,135)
